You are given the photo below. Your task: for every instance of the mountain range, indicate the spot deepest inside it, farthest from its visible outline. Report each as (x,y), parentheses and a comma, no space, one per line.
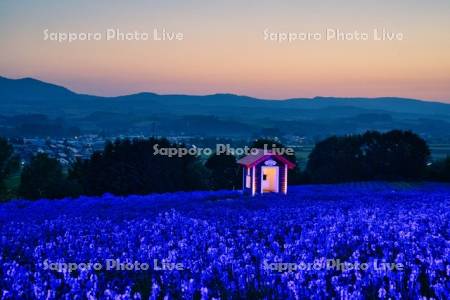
(23,102)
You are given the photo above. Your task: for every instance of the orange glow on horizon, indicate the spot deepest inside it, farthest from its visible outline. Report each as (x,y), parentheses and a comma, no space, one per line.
(220,56)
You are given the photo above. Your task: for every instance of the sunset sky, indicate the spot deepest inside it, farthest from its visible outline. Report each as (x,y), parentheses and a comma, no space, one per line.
(224,48)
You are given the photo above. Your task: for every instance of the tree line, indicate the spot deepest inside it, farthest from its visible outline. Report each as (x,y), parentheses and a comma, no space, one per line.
(129,167)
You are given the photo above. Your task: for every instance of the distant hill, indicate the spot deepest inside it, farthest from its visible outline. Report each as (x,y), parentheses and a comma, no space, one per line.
(180,113)
(29,88)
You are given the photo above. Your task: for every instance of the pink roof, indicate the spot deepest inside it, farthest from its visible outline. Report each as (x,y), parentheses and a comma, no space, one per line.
(261,155)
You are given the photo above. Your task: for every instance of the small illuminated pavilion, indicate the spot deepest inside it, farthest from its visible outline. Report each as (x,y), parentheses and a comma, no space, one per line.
(265,172)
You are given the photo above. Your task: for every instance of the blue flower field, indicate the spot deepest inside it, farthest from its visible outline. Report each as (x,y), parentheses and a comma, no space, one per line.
(222,245)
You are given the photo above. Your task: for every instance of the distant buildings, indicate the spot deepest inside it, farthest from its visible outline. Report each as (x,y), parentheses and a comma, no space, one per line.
(65,150)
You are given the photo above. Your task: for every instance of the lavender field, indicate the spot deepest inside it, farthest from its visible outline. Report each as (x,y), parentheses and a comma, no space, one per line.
(231,246)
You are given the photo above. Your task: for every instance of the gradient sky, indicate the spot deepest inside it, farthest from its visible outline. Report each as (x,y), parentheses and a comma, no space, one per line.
(224,50)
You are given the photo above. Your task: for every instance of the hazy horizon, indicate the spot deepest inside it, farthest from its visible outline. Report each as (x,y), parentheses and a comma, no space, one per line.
(225,93)
(225,48)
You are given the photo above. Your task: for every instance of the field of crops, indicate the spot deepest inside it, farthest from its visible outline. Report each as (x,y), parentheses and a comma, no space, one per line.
(223,245)
(439,151)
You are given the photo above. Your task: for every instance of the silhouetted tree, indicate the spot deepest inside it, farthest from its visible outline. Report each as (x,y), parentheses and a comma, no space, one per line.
(43,177)
(394,155)
(131,167)
(224,171)
(9,163)
(336,159)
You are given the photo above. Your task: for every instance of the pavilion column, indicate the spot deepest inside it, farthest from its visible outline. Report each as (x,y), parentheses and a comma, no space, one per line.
(253,181)
(285,181)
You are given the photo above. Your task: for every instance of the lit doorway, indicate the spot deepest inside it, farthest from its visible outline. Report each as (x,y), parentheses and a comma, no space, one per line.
(270,179)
